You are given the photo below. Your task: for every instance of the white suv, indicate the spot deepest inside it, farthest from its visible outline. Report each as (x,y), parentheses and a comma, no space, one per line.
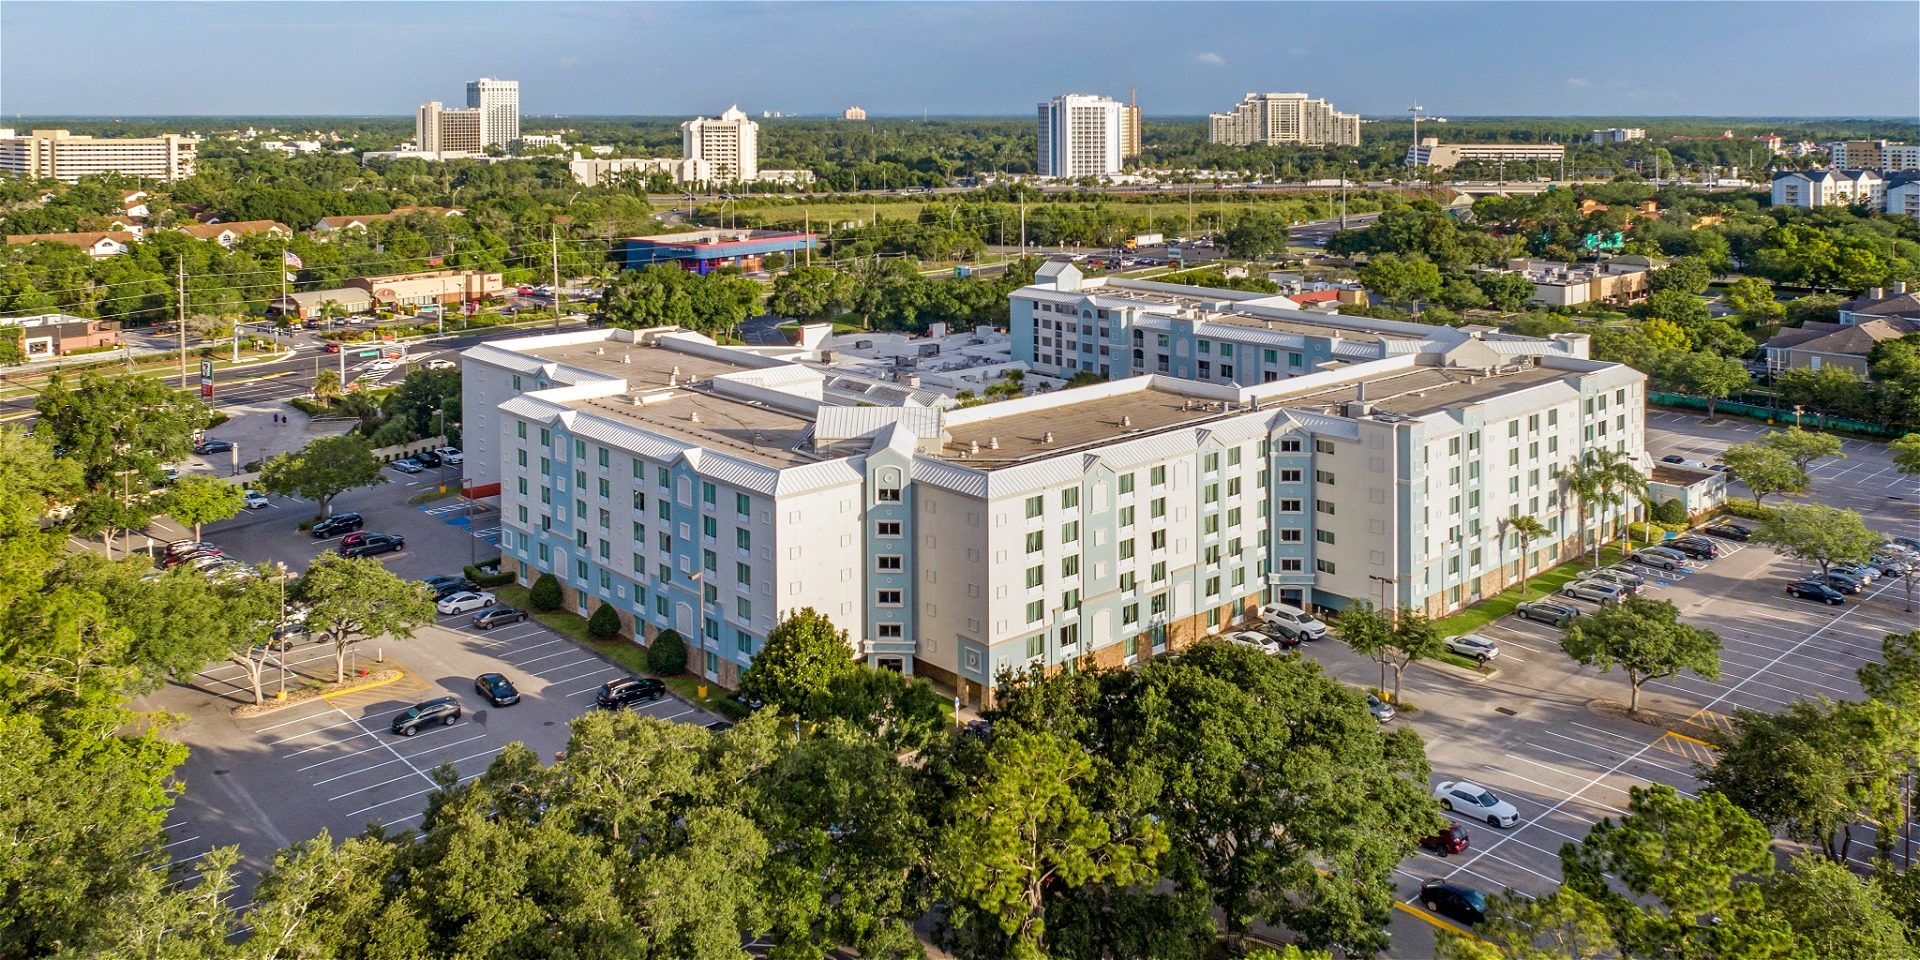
(1301,622)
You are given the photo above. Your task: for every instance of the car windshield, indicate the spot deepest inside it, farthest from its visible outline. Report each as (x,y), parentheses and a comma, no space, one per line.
(415,711)
(1484,799)
(1474,899)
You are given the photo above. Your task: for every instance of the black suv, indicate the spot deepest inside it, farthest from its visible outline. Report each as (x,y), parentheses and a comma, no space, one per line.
(497,689)
(374,545)
(337,524)
(615,694)
(427,458)
(1699,548)
(443,586)
(444,711)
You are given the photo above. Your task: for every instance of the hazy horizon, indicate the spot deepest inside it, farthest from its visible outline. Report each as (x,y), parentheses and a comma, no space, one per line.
(1464,60)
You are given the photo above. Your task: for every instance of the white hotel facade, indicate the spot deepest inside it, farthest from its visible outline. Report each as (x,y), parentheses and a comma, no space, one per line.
(714,490)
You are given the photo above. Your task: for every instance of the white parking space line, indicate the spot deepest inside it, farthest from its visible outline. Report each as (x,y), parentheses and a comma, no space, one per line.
(179,842)
(1561,803)
(1586,760)
(675,716)
(583,676)
(289,723)
(564,666)
(1657,766)
(416,793)
(377,786)
(364,732)
(536,646)
(1610,808)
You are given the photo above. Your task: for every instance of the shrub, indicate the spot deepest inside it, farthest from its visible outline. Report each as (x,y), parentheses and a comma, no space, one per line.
(1746,510)
(545,594)
(667,654)
(488,578)
(1671,512)
(1643,532)
(605,624)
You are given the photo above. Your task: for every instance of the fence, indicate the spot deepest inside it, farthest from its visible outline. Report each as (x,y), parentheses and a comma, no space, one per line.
(1772,414)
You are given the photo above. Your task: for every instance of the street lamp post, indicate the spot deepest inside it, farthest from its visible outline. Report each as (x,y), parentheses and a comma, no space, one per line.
(282,569)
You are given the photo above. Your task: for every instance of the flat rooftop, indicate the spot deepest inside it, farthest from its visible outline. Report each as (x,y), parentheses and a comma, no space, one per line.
(757,433)
(1023,436)
(715,235)
(1422,390)
(642,366)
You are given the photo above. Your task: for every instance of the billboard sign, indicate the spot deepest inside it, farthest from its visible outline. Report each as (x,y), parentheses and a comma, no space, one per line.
(206,379)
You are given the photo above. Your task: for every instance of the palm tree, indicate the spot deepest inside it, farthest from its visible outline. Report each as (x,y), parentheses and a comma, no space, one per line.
(1620,483)
(1527,529)
(1583,484)
(326,385)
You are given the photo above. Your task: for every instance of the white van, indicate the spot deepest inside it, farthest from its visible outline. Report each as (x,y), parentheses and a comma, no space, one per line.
(1300,621)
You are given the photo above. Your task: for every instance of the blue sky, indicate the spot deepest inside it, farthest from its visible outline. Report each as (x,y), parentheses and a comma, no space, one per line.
(1462,59)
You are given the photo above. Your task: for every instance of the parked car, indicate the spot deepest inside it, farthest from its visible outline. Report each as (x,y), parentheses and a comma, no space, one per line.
(1305,624)
(210,445)
(427,458)
(1815,590)
(1255,639)
(178,547)
(374,545)
(1594,591)
(720,726)
(441,711)
(1454,901)
(1728,530)
(1474,647)
(452,455)
(1381,710)
(1468,797)
(615,694)
(1452,839)
(1892,565)
(381,365)
(407,465)
(443,583)
(1696,548)
(1630,582)
(1838,581)
(1287,637)
(190,557)
(499,617)
(498,690)
(1864,572)
(1673,458)
(254,500)
(1547,611)
(336,525)
(333,346)
(439,364)
(464,601)
(1659,558)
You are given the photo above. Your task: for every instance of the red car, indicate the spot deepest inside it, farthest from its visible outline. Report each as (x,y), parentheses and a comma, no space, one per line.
(333,347)
(1451,840)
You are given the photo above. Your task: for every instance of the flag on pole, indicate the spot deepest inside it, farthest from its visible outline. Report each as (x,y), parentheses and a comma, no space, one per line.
(292,259)
(292,277)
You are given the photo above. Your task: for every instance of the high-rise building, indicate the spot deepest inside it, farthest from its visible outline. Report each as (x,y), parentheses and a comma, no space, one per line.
(731,143)
(1618,135)
(439,130)
(1130,127)
(1875,155)
(854,113)
(1274,118)
(63,156)
(499,104)
(1080,136)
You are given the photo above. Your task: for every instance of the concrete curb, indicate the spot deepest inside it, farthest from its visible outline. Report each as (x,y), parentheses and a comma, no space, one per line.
(1462,673)
(248,711)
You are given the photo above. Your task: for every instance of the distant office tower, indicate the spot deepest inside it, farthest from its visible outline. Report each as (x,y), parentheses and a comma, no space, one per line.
(1130,126)
(1274,118)
(437,129)
(1618,135)
(1430,152)
(1080,136)
(499,104)
(63,156)
(854,113)
(731,143)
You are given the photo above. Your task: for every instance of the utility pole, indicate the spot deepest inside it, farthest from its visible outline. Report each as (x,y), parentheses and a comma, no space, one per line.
(1023,227)
(1415,110)
(806,219)
(554,230)
(180,291)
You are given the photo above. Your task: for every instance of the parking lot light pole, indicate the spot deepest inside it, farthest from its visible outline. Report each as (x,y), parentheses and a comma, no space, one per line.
(281,567)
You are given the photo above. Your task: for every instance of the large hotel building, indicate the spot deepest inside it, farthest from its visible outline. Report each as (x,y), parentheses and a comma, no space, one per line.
(66,157)
(1241,453)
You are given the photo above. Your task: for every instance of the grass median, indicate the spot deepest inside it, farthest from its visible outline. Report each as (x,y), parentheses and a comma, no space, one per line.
(1544,584)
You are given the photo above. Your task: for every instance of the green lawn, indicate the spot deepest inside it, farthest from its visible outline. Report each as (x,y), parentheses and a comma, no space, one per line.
(560,621)
(1543,584)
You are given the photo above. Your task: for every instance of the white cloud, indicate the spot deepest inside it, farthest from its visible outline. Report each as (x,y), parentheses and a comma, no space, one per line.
(1211,59)
(1579,83)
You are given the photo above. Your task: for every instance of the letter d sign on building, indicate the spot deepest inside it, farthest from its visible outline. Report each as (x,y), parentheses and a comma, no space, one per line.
(206,379)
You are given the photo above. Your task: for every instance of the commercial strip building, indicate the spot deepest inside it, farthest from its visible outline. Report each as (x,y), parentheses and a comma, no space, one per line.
(1617,280)
(730,143)
(702,251)
(366,294)
(714,490)
(1618,135)
(64,156)
(1081,135)
(1430,152)
(51,335)
(1277,118)
(1878,155)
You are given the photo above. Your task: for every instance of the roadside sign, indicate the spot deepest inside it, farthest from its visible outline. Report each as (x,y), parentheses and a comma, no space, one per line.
(206,379)
(368,354)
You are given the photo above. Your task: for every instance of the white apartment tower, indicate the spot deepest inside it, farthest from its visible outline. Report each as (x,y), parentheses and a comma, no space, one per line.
(1081,135)
(731,143)
(499,104)
(1275,118)
(64,156)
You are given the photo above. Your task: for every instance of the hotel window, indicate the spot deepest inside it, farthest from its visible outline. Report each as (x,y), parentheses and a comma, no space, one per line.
(1126,515)
(1290,445)
(1213,554)
(1324,566)
(1070,531)
(639,500)
(519,427)
(602,451)
(546,437)
(1157,476)
(1157,508)
(1036,541)
(1159,572)
(1233,486)
(1036,575)
(709,528)
(888,528)
(1126,582)
(1069,498)
(1130,614)
(1292,535)
(742,504)
(1211,525)
(1233,456)
(743,539)
(1291,476)
(1157,540)
(1212,462)
(1323,476)
(1213,493)
(889,494)
(1126,483)
(707,494)
(1233,517)
(1290,506)
(1070,566)
(891,562)
(661,476)
(1324,506)
(710,560)
(888,598)
(1323,536)
(1323,446)
(579,449)
(606,519)
(1291,565)
(1126,549)
(743,574)
(1070,601)
(1036,505)
(1036,611)
(523,457)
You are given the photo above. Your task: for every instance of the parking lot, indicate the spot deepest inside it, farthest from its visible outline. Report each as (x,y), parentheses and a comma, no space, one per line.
(1865,481)
(333,764)
(1531,735)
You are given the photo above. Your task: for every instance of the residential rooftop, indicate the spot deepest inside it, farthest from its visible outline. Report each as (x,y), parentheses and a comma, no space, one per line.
(1008,440)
